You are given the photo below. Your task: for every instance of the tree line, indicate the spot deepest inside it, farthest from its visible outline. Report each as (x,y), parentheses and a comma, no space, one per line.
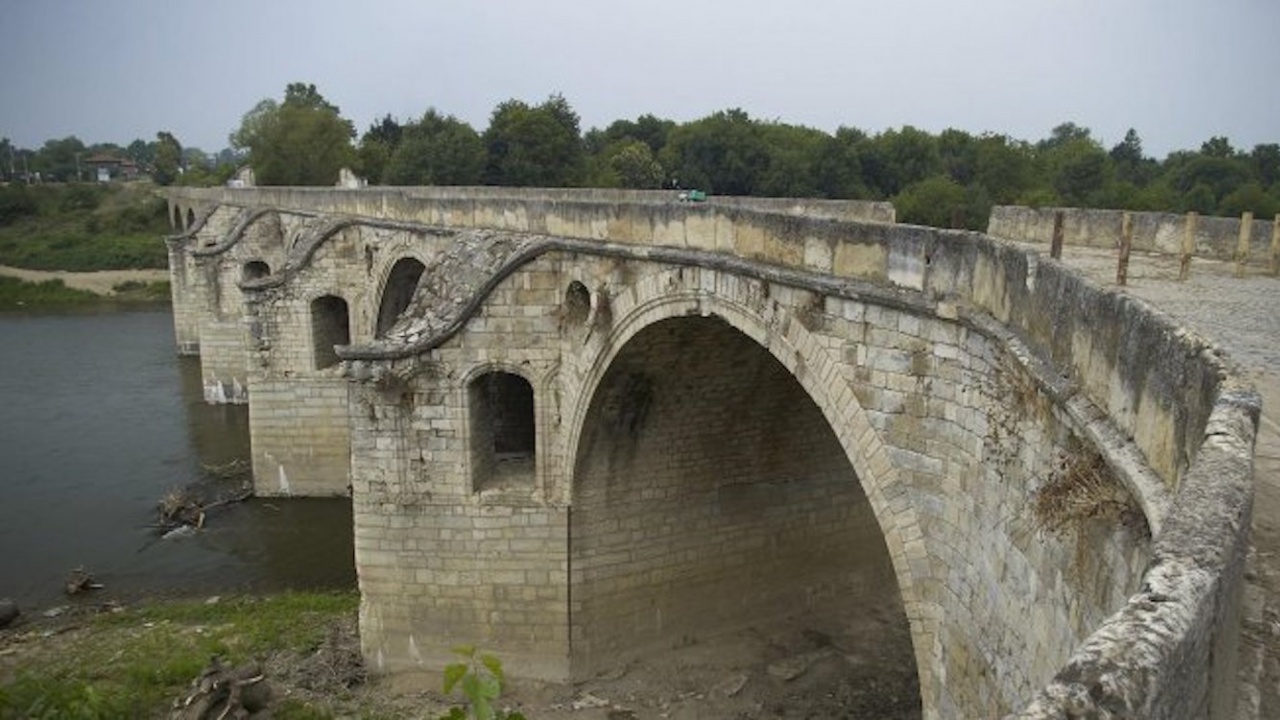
(951,178)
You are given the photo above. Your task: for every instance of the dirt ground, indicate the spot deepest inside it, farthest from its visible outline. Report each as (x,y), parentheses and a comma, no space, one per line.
(851,667)
(102,282)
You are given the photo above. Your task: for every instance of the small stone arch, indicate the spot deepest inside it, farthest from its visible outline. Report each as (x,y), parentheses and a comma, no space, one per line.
(175,217)
(804,357)
(330,326)
(502,429)
(191,219)
(254,270)
(397,291)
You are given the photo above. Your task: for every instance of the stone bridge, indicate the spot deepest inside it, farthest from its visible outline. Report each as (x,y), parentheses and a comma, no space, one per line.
(578,426)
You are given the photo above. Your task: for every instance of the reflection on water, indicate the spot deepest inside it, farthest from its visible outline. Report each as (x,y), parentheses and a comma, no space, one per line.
(98,419)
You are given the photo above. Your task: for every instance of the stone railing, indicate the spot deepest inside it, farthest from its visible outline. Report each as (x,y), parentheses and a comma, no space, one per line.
(1215,237)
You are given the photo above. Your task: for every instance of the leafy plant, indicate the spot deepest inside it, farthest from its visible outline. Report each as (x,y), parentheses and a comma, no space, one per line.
(479,676)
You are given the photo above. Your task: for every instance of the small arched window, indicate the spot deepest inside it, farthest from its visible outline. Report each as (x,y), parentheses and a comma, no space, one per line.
(503,430)
(330,326)
(254,270)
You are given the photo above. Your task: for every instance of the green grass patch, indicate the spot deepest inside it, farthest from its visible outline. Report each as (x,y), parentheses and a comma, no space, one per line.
(17,294)
(135,663)
(20,295)
(82,227)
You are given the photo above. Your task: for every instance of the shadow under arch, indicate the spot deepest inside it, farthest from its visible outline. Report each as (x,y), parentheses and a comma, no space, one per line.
(399,285)
(816,374)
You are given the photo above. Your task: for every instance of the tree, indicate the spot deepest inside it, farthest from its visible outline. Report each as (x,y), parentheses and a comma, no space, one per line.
(1063,134)
(900,158)
(301,141)
(1080,171)
(534,146)
(1252,197)
(59,160)
(793,154)
(168,159)
(436,150)
(932,201)
(377,145)
(635,167)
(838,169)
(1128,158)
(1266,163)
(1217,147)
(723,153)
(7,160)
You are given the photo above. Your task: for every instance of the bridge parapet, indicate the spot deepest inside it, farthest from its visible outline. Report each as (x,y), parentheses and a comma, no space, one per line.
(1215,237)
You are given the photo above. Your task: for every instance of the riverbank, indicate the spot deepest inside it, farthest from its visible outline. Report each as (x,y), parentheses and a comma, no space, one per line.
(106,660)
(103,660)
(25,290)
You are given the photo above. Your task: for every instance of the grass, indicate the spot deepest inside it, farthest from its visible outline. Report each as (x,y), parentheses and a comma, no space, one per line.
(17,294)
(20,295)
(135,663)
(82,227)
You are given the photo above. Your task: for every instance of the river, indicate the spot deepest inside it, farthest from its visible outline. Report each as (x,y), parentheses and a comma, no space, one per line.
(99,418)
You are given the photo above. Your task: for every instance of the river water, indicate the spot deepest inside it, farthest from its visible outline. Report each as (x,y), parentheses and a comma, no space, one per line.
(98,420)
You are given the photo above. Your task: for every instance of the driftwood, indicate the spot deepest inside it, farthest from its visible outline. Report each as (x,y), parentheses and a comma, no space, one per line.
(79,580)
(182,508)
(222,692)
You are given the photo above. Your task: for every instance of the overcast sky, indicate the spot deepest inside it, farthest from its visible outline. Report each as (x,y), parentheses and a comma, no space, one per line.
(1179,71)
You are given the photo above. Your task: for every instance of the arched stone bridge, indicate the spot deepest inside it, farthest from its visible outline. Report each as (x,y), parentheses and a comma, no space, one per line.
(581,425)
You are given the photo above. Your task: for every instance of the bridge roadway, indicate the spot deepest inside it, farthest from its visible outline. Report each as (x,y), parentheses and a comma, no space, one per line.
(1242,315)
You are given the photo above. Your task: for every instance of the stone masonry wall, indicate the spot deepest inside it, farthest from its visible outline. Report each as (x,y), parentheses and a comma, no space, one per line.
(986,578)
(710,494)
(954,377)
(1216,237)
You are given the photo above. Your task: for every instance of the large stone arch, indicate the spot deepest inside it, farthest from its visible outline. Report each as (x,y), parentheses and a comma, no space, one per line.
(778,332)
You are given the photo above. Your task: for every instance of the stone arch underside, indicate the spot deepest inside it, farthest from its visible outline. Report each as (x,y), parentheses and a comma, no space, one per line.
(398,292)
(712,495)
(849,464)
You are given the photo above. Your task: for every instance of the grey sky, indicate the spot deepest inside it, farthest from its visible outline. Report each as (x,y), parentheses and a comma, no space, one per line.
(1179,71)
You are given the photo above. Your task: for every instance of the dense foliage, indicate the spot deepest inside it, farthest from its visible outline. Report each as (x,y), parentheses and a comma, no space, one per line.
(82,227)
(301,141)
(949,178)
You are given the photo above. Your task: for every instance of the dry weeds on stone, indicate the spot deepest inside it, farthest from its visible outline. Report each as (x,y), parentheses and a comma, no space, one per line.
(1082,487)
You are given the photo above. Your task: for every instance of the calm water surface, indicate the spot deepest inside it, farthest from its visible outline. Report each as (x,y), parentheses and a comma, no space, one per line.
(98,420)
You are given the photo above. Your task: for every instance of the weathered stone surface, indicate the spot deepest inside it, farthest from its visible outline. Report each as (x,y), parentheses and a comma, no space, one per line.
(933,383)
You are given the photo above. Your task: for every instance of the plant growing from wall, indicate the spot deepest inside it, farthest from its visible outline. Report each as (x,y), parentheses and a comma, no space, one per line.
(479,676)
(1082,487)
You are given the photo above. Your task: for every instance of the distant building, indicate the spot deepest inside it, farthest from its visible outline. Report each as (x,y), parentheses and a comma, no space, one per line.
(105,168)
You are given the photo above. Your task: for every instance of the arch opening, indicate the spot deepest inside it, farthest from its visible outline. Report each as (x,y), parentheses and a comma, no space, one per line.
(714,506)
(503,431)
(175,218)
(576,307)
(402,282)
(330,326)
(254,270)
(191,219)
